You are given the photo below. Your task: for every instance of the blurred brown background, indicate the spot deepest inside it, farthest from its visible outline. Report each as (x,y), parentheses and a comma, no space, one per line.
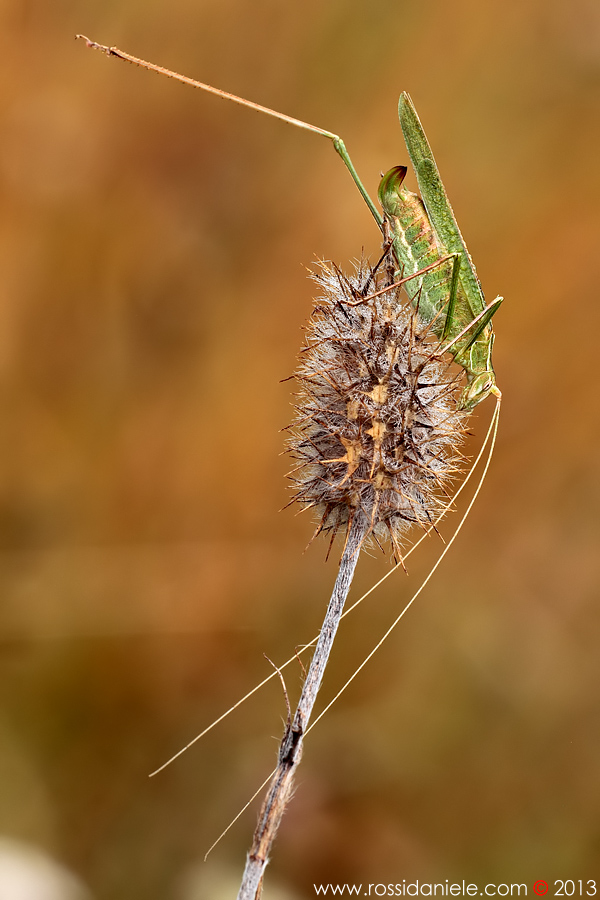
(152,292)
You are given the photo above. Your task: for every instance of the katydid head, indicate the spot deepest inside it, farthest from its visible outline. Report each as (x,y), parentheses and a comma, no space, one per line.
(389,190)
(478,389)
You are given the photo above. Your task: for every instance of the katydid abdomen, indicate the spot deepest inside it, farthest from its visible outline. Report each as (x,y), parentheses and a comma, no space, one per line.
(416,247)
(442,298)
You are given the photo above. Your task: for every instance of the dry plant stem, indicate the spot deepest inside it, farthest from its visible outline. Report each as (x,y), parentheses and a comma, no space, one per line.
(290,750)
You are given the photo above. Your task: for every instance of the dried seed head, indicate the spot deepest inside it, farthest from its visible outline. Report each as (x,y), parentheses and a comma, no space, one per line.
(377,428)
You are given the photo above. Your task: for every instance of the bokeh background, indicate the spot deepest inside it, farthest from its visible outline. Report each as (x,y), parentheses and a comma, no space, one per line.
(152,292)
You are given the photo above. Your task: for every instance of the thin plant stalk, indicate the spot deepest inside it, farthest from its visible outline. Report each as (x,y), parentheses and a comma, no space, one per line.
(290,750)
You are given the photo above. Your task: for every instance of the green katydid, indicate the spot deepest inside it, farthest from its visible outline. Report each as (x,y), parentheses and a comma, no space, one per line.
(433,261)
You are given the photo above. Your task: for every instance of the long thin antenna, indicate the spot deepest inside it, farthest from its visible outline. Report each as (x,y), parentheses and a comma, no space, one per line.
(350,609)
(493,431)
(494,423)
(241,813)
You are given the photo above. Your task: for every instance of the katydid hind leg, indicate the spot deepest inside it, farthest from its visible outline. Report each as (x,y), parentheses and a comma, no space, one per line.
(482,322)
(454,282)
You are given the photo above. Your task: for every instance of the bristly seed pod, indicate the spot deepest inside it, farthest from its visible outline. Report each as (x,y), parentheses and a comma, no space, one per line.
(377,428)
